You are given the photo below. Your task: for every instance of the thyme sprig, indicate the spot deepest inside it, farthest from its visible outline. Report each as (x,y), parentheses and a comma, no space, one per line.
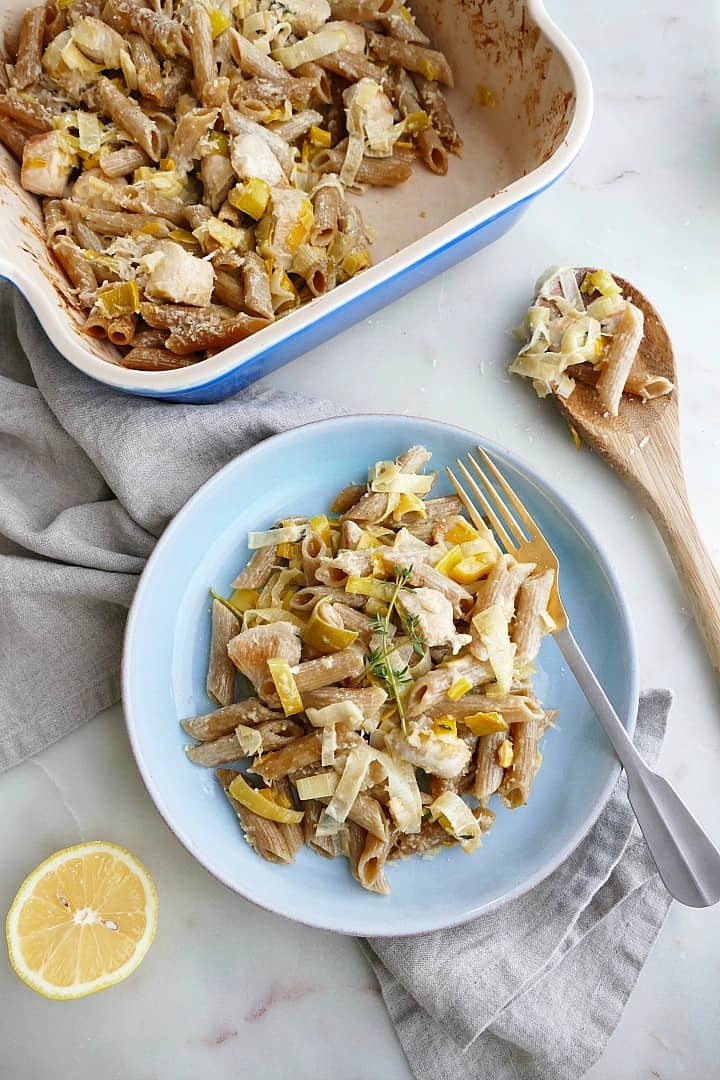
(379,662)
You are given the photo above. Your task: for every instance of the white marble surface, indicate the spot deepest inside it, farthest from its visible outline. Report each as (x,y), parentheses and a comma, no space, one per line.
(228,990)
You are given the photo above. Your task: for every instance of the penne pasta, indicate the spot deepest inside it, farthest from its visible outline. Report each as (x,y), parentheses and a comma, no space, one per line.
(532,602)
(519,778)
(351,708)
(221,670)
(433,102)
(131,118)
(428,62)
(256,286)
(30,48)
(155,358)
(273,841)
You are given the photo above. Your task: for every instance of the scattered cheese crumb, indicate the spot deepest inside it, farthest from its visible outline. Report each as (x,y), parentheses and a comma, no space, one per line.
(643,442)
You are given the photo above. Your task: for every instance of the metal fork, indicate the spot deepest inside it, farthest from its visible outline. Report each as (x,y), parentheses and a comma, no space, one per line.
(686,858)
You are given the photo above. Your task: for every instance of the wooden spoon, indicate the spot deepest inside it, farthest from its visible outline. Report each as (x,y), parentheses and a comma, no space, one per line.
(642,444)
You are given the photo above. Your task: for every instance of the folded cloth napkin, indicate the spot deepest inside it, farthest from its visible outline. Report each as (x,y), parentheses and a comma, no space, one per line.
(89,478)
(534,989)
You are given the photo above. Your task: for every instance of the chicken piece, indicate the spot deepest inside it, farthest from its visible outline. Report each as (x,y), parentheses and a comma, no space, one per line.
(174,274)
(439,753)
(251,649)
(252,157)
(47,164)
(434,614)
(355,35)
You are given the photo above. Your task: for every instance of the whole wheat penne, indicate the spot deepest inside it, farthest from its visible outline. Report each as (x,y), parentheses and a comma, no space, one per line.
(640,383)
(121,329)
(347,498)
(361,10)
(122,222)
(77,268)
(221,670)
(355,837)
(532,602)
(254,62)
(620,356)
(518,779)
(320,91)
(149,358)
(165,35)
(378,172)
(312,550)
(201,47)
(397,24)
(278,733)
(258,569)
(156,207)
(304,600)
(353,67)
(371,864)
(433,102)
(218,752)
(13,137)
(502,584)
(223,721)
(256,286)
(431,836)
(30,48)
(488,773)
(28,112)
(346,664)
(271,93)
(368,699)
(96,324)
(124,161)
(301,753)
(326,208)
(57,222)
(515,708)
(428,62)
(229,290)
(192,329)
(291,130)
(428,142)
(429,692)
(150,339)
(176,81)
(128,115)
(323,845)
(147,66)
(273,841)
(55,21)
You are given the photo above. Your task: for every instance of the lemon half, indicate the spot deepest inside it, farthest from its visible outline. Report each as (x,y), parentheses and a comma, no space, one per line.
(82,921)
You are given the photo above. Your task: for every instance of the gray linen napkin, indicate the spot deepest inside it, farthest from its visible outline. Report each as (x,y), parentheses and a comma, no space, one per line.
(534,989)
(89,478)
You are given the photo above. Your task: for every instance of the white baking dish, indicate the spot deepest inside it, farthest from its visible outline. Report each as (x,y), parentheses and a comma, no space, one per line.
(513,151)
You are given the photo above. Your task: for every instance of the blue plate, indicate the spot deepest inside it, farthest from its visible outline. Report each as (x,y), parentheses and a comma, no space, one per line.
(164,665)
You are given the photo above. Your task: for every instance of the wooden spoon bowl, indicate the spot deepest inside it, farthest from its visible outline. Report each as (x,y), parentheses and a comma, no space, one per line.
(642,444)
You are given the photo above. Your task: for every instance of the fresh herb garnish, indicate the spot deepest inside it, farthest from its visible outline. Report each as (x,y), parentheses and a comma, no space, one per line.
(379,662)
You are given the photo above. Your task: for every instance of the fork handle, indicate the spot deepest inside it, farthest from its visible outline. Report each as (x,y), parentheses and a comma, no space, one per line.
(687,860)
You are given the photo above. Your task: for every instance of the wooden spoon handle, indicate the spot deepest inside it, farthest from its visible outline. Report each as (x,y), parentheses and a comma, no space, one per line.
(672,514)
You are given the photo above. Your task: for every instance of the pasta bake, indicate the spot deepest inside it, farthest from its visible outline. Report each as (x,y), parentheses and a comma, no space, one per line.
(582,328)
(372,668)
(194,157)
